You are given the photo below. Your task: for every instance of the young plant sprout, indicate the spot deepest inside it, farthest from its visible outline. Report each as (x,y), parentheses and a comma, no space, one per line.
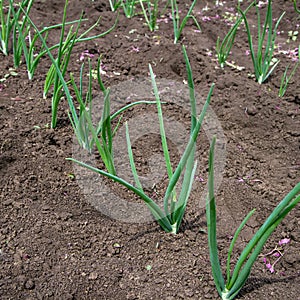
(22,40)
(84,128)
(295,7)
(170,217)
(64,50)
(63,57)
(9,19)
(114,4)
(86,132)
(223,48)
(129,7)
(236,279)
(262,58)
(177,26)
(20,32)
(285,79)
(6,28)
(152,11)
(28,44)
(64,85)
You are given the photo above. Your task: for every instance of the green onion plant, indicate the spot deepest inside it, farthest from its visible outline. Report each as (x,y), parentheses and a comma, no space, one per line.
(114,4)
(7,25)
(9,19)
(75,119)
(22,41)
(64,84)
(285,79)
(150,13)
(64,51)
(223,48)
(295,7)
(177,26)
(129,7)
(84,128)
(170,217)
(28,45)
(86,132)
(81,128)
(236,279)
(63,57)
(20,32)
(262,58)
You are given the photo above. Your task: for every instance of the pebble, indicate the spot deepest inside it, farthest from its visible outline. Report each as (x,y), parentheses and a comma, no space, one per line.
(251,110)
(93,276)
(29,284)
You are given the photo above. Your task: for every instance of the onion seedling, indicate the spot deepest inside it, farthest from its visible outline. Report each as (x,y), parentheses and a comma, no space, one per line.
(59,65)
(295,7)
(23,40)
(114,4)
(177,26)
(129,7)
(263,59)
(170,217)
(81,129)
(86,132)
(28,44)
(9,18)
(20,32)
(64,84)
(152,11)
(285,79)
(223,48)
(6,24)
(237,278)
(82,124)
(63,56)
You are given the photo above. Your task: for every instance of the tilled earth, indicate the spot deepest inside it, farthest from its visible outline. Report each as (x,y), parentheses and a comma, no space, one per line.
(54,244)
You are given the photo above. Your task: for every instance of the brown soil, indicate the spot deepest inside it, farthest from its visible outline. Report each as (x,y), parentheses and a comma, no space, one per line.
(56,245)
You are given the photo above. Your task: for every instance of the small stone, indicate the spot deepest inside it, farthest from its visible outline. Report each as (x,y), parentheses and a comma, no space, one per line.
(189,293)
(29,284)
(251,110)
(93,276)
